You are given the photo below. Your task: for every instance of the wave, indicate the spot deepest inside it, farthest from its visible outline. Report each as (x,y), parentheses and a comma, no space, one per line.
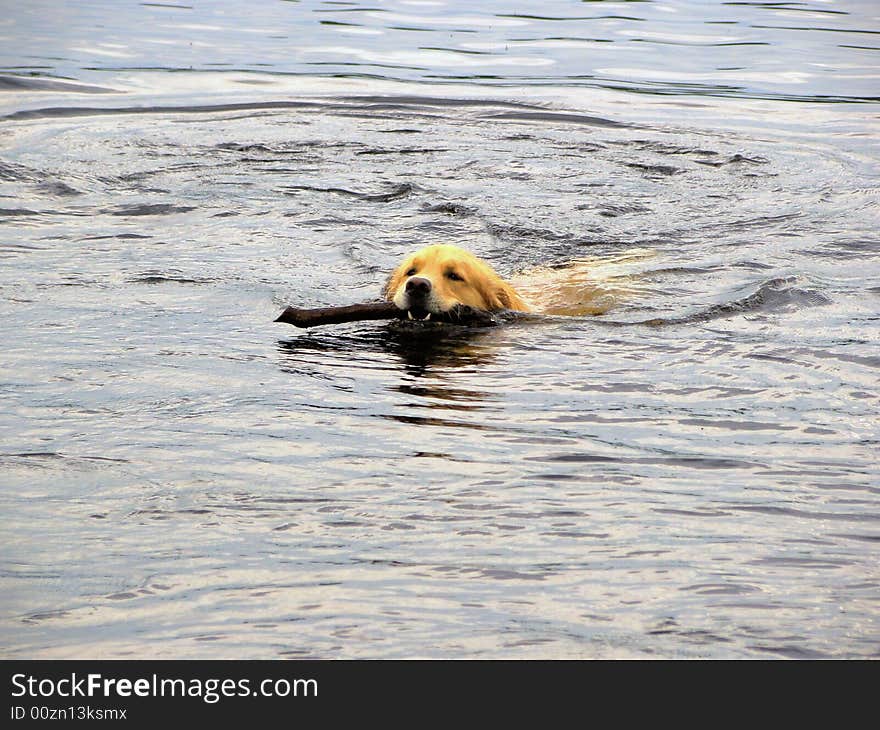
(31,83)
(775,295)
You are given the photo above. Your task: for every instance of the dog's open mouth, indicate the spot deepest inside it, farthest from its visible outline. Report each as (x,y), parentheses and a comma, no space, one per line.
(418,314)
(459,314)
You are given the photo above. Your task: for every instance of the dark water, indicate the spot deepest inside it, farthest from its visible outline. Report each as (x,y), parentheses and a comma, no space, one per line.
(693,473)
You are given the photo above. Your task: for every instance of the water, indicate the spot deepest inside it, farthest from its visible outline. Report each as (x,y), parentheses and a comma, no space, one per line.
(691,473)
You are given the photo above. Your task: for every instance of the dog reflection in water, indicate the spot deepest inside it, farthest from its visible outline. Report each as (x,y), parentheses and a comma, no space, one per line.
(438,279)
(423,351)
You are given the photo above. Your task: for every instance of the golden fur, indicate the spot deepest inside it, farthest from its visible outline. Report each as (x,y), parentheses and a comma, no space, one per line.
(454,277)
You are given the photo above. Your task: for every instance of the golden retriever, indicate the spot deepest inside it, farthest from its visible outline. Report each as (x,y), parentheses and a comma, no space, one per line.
(440,278)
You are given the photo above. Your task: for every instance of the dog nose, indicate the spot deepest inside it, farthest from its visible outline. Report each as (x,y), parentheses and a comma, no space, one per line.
(418,286)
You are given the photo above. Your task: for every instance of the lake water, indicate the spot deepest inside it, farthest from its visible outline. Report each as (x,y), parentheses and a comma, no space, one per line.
(692,473)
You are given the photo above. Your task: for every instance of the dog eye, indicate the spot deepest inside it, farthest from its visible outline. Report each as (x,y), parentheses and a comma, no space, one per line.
(410,272)
(452,275)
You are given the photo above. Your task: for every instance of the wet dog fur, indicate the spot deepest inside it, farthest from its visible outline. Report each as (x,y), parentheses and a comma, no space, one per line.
(438,279)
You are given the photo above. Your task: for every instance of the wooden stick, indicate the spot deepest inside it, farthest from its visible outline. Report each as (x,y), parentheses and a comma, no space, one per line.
(460,314)
(337,315)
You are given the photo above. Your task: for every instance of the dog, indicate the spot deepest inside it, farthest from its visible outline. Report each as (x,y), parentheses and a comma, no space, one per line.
(442,279)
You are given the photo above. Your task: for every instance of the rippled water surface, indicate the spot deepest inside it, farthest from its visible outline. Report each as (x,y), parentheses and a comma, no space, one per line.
(693,472)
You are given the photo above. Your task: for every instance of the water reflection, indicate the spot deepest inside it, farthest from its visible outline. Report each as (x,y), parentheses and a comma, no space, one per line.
(646,47)
(422,349)
(418,363)
(581,486)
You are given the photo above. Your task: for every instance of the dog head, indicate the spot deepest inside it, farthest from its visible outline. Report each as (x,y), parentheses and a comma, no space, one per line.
(439,278)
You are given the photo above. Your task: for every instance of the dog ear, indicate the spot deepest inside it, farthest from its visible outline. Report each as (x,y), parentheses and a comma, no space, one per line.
(507,298)
(504,297)
(494,296)
(491,289)
(393,282)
